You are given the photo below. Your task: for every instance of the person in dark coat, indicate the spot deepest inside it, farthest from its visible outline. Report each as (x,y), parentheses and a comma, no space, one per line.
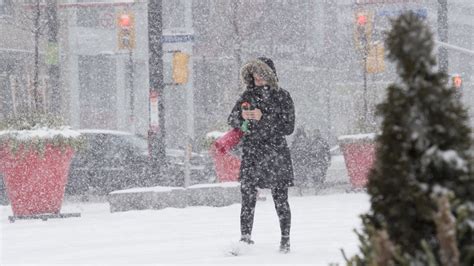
(266,160)
(301,152)
(322,157)
(311,158)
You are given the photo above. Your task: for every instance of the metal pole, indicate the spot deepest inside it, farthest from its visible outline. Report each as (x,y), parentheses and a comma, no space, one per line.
(237,38)
(328,117)
(156,136)
(365,89)
(443,34)
(38,100)
(189,125)
(131,89)
(189,87)
(53,56)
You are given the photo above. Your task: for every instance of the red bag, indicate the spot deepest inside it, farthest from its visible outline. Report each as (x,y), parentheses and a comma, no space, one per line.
(228,141)
(227,165)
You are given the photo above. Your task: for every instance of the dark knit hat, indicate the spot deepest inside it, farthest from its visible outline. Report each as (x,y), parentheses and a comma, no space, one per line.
(269,63)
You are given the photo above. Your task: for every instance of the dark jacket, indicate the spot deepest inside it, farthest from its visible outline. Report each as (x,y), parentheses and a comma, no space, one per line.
(311,158)
(266,159)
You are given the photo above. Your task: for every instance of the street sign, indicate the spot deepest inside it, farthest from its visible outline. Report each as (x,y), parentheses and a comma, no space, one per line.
(375,59)
(52,53)
(179,38)
(154,123)
(180,67)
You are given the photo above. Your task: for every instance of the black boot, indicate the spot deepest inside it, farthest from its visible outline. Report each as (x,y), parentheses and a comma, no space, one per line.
(285,244)
(246,239)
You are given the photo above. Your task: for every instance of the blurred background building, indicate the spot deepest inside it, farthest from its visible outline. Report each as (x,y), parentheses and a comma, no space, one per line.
(313,44)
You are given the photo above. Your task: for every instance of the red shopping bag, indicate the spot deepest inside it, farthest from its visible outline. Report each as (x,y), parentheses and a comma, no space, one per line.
(227,165)
(228,141)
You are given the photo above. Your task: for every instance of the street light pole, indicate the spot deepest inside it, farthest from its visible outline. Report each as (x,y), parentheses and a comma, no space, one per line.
(131,89)
(53,56)
(362,38)
(443,34)
(366,109)
(156,132)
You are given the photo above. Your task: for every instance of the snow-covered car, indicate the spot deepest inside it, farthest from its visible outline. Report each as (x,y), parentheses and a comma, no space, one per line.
(109,160)
(113,160)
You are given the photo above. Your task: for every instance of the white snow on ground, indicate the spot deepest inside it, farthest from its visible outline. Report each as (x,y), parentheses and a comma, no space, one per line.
(321,226)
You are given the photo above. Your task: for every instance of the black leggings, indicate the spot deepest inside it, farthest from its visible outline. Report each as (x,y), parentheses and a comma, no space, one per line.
(249,200)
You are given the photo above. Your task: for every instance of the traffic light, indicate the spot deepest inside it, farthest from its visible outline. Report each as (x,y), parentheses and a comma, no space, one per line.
(457,81)
(180,67)
(126,31)
(361,19)
(375,58)
(363,30)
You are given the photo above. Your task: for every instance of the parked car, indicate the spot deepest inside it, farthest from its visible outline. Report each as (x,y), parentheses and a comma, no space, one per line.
(109,160)
(113,160)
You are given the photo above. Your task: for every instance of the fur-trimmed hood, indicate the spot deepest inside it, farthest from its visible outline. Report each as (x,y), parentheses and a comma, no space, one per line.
(258,67)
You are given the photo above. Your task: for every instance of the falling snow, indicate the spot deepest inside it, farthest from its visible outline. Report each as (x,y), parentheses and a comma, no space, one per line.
(93,63)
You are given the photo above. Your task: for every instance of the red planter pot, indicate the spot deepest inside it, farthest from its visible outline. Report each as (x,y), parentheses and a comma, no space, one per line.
(359,156)
(35,182)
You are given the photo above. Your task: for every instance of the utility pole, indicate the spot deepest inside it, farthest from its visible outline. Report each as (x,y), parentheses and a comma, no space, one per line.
(37,33)
(443,34)
(156,132)
(189,87)
(131,70)
(53,56)
(363,33)
(235,5)
(329,40)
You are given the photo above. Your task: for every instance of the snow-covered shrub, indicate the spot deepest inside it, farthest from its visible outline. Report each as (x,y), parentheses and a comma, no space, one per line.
(35,131)
(424,154)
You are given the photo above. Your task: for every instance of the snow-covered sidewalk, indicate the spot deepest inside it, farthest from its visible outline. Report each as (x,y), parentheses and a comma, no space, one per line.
(321,225)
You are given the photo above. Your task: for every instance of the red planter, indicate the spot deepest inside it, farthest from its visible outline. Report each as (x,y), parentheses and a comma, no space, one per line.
(359,156)
(35,182)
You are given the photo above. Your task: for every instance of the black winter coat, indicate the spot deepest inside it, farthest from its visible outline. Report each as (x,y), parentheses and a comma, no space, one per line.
(266,159)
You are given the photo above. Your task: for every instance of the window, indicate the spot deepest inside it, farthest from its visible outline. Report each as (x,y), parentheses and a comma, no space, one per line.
(5,7)
(88,17)
(173,14)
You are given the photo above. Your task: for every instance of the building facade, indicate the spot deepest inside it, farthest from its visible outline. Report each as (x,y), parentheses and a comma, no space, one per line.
(313,44)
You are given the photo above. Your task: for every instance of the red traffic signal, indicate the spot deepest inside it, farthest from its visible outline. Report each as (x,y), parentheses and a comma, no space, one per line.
(125,21)
(361,19)
(457,81)
(126,31)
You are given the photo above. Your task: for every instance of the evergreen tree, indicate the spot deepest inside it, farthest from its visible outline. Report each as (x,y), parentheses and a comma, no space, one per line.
(423,153)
